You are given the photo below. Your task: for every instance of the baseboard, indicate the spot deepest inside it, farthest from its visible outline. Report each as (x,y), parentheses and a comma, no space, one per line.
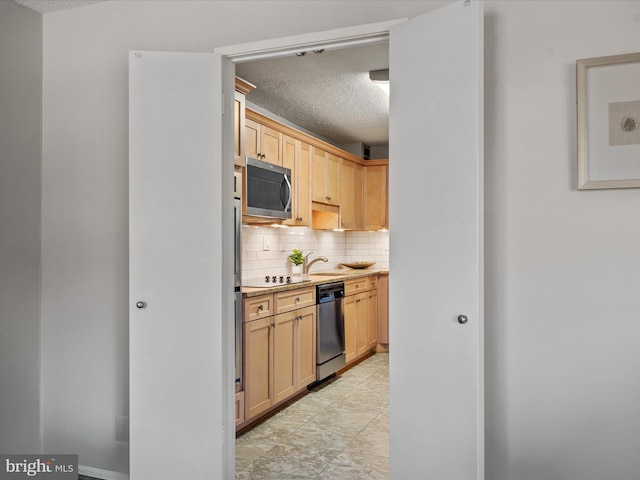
(101,474)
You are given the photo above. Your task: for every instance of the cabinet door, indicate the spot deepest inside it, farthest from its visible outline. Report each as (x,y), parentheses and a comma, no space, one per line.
(258,352)
(375,198)
(303,176)
(347,198)
(318,174)
(383,309)
(283,345)
(350,328)
(270,145)
(372,319)
(296,156)
(362,339)
(290,155)
(251,138)
(305,353)
(239,401)
(332,179)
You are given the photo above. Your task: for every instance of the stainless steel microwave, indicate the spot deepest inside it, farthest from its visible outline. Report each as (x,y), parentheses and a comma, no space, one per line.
(268,191)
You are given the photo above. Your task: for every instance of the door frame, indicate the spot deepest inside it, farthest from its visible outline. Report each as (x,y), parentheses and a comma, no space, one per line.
(273,48)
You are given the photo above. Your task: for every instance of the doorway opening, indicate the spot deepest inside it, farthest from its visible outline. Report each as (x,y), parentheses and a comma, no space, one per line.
(328,94)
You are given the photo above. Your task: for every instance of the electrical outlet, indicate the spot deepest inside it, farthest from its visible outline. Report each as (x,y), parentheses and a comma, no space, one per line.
(265,244)
(122,429)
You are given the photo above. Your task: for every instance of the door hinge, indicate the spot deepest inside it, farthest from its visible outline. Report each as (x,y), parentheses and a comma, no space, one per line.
(467,3)
(222,103)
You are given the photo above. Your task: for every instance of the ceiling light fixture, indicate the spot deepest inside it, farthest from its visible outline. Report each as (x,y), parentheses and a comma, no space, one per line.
(381,79)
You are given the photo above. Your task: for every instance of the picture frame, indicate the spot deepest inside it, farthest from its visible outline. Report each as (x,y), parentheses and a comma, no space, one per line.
(608,101)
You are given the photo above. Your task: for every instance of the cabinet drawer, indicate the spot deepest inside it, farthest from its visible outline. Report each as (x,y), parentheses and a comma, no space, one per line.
(294,299)
(362,284)
(257,307)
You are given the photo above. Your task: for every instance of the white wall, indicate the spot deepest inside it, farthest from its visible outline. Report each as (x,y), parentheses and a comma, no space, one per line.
(20,160)
(562,303)
(561,282)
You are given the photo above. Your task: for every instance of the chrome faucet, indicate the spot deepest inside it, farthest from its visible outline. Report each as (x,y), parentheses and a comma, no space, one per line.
(306,265)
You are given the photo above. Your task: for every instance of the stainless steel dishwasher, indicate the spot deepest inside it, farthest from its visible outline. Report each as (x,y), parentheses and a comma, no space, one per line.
(330,355)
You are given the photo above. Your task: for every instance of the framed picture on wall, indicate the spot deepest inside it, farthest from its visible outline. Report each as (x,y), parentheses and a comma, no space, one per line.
(608,90)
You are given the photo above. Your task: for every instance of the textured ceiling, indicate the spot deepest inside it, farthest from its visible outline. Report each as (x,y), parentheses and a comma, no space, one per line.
(329,94)
(49,6)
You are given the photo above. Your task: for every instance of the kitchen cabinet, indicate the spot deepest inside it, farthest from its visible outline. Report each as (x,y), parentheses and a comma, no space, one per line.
(360,317)
(383,309)
(263,142)
(325,177)
(296,156)
(284,382)
(376,204)
(294,351)
(279,350)
(372,319)
(350,328)
(351,195)
(362,324)
(305,351)
(331,187)
(239,407)
(258,366)
(242,89)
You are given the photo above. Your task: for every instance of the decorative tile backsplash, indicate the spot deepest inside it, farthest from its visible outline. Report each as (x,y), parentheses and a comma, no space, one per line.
(265,249)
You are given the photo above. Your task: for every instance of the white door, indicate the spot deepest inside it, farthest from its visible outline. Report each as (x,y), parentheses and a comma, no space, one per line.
(181,213)
(436,245)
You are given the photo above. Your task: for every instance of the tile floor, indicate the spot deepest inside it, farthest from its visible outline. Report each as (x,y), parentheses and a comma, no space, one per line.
(338,431)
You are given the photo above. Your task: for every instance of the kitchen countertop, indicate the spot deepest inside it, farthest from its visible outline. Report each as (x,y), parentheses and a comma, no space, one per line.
(315,279)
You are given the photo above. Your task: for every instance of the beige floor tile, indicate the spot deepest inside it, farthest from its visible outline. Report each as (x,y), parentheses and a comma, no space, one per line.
(339,430)
(352,466)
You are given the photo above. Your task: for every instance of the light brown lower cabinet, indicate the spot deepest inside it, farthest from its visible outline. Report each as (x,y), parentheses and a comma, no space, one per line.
(360,320)
(258,366)
(372,319)
(279,358)
(383,309)
(239,407)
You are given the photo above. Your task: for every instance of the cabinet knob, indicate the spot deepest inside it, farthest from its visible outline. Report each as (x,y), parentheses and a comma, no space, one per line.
(260,307)
(273,325)
(462,319)
(297,299)
(141,304)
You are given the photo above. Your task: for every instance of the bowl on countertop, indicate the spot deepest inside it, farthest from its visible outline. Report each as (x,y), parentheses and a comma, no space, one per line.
(359,265)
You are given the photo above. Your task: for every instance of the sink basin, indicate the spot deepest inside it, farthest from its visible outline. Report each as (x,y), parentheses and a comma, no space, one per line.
(327,274)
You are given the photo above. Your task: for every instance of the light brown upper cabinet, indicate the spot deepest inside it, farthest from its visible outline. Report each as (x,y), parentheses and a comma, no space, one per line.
(376,205)
(351,195)
(325,177)
(262,142)
(242,89)
(296,156)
